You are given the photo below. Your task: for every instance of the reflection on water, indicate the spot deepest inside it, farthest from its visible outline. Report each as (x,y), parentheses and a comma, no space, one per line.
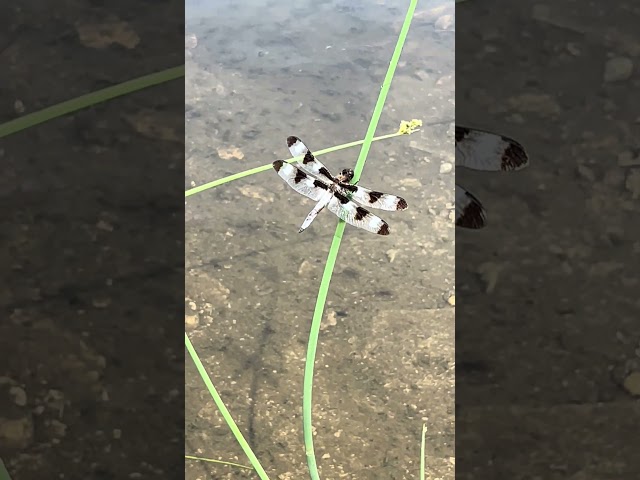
(258,72)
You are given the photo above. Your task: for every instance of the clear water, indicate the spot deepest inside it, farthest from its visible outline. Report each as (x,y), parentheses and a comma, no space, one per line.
(262,71)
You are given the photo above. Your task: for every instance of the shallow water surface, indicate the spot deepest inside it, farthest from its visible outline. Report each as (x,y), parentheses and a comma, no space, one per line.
(259,72)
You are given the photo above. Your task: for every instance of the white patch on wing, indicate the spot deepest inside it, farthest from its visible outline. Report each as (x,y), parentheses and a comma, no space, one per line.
(297,148)
(326,197)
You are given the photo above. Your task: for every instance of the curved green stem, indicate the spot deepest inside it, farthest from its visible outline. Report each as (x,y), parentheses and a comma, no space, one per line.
(223,410)
(307,427)
(333,254)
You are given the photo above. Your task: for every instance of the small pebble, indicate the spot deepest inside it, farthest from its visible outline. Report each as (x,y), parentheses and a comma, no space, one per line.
(16,433)
(445,22)
(632,383)
(106,226)
(410,182)
(446,167)
(618,69)
(190,322)
(58,428)
(19,396)
(586,173)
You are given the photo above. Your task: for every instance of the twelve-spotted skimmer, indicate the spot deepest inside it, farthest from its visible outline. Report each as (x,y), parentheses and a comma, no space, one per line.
(480,150)
(313,180)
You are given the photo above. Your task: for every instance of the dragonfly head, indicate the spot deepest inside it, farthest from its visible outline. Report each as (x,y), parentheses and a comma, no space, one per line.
(346,175)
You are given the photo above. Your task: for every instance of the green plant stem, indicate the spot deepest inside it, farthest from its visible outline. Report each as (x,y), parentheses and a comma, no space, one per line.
(89,100)
(223,410)
(333,253)
(311,350)
(264,168)
(4,475)
(377,111)
(422,443)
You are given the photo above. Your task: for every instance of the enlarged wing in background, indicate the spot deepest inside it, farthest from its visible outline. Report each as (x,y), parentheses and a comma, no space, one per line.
(469,210)
(487,151)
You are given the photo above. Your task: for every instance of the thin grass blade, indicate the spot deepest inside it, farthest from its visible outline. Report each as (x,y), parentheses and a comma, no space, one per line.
(333,254)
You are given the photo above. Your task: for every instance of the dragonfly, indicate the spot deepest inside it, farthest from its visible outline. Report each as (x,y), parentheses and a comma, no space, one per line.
(313,180)
(480,150)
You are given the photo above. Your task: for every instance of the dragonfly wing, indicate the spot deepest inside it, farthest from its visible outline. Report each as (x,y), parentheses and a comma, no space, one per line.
(374,199)
(487,151)
(316,210)
(300,181)
(356,215)
(309,162)
(469,211)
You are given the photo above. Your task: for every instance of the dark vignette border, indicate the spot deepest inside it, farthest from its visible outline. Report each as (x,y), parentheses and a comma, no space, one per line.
(92,377)
(547,330)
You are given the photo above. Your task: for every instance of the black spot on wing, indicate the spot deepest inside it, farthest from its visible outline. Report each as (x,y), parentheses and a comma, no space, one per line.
(291,140)
(348,187)
(471,218)
(277,165)
(514,155)
(375,196)
(325,172)
(319,184)
(472,215)
(384,229)
(361,213)
(402,204)
(461,132)
(341,198)
(308,158)
(300,175)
